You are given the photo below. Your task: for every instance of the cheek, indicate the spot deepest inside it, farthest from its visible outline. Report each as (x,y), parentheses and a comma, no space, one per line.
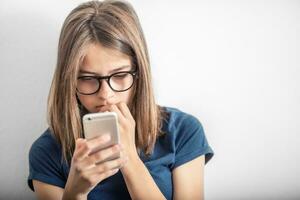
(125,97)
(86,101)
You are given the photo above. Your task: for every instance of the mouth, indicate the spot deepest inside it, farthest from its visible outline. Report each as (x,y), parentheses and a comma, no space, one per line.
(98,108)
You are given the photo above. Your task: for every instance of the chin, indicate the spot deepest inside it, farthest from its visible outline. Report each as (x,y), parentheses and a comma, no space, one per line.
(90,110)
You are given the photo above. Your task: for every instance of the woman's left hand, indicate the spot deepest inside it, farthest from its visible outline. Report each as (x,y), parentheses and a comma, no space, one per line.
(126,127)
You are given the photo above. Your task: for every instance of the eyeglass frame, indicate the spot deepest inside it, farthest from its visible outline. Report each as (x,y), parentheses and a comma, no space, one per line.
(107,79)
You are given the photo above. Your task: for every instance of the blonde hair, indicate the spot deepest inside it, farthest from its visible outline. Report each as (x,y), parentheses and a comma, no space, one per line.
(115,25)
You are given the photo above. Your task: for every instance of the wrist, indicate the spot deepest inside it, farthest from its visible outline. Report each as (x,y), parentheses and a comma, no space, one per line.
(68,195)
(132,164)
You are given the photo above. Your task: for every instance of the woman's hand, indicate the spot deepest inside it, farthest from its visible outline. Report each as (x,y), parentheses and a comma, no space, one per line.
(126,128)
(85,174)
(134,172)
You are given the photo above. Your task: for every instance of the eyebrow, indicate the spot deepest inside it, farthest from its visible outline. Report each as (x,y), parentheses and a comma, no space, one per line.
(112,71)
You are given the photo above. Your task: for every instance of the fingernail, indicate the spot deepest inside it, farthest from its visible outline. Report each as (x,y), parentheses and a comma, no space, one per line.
(120,146)
(105,137)
(117,147)
(79,141)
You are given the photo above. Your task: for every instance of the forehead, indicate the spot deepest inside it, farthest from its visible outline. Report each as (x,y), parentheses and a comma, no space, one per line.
(102,60)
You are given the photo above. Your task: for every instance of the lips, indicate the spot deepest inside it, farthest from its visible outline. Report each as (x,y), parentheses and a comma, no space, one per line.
(98,108)
(105,103)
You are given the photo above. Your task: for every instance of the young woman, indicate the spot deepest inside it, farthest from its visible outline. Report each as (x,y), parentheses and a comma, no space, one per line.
(103,65)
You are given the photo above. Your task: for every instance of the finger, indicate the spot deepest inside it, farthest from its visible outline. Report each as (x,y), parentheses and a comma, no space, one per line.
(125,110)
(99,141)
(84,147)
(107,166)
(78,143)
(80,150)
(99,177)
(105,154)
(113,108)
(121,117)
(91,160)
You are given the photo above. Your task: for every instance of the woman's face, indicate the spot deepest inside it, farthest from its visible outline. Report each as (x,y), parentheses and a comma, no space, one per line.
(101,61)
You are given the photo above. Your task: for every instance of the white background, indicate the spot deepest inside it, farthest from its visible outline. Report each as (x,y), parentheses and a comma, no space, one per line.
(233,64)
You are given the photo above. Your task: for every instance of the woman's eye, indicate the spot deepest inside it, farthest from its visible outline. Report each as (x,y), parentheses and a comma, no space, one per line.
(120,75)
(87,78)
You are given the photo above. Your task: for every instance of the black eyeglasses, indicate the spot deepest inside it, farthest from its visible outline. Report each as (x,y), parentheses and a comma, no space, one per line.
(118,82)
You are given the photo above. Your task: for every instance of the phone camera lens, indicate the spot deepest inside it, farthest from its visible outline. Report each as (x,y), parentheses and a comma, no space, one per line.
(89,118)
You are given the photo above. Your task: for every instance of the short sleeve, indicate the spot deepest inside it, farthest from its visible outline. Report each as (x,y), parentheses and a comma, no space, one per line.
(190,141)
(45,163)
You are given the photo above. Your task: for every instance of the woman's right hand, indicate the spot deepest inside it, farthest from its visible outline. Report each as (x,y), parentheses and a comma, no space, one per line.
(84,173)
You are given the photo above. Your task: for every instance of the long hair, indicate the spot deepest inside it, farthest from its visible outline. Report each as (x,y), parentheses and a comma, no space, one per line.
(115,25)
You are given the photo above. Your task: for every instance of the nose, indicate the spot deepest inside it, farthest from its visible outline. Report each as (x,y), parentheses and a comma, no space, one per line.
(105,91)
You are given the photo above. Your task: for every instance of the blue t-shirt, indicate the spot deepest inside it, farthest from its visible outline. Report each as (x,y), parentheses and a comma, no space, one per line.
(183,141)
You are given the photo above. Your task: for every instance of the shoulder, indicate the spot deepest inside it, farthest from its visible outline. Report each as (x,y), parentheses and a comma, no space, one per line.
(177,120)
(46,143)
(45,161)
(45,149)
(185,133)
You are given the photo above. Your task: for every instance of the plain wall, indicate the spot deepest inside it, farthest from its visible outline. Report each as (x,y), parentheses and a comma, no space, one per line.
(233,64)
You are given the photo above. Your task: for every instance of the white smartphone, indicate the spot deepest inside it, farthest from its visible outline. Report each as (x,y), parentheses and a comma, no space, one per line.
(96,124)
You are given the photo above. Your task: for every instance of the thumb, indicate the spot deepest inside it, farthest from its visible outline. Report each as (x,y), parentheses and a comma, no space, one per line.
(79,142)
